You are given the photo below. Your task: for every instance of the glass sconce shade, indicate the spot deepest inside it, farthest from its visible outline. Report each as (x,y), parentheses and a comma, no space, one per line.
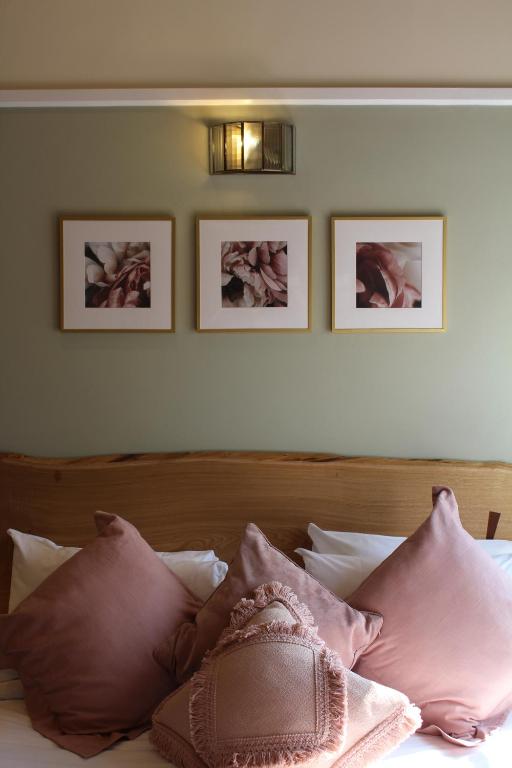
(252,147)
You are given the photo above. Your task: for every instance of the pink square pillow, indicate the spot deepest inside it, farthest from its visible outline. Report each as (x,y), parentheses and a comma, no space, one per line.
(272,694)
(344,629)
(447,635)
(83,641)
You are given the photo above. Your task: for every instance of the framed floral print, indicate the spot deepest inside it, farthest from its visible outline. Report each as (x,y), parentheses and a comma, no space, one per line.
(388,273)
(117,273)
(253,273)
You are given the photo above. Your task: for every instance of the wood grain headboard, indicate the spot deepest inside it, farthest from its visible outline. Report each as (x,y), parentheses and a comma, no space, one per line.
(203,500)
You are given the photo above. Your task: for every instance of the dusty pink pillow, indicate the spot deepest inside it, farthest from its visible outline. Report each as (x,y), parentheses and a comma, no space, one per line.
(83,641)
(447,635)
(272,694)
(345,630)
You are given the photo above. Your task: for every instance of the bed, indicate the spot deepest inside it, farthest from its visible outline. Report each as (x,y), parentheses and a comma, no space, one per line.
(22,747)
(203,500)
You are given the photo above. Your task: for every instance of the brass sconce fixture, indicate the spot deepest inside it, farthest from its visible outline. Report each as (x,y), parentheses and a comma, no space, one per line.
(252,147)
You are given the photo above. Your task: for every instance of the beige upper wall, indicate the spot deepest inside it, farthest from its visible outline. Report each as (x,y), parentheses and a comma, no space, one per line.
(59,43)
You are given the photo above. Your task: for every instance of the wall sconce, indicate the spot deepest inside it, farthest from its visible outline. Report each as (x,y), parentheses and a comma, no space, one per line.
(252,147)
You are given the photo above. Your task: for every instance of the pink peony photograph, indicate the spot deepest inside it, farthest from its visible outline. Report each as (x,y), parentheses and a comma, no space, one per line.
(117,275)
(394,263)
(388,275)
(108,264)
(244,279)
(254,273)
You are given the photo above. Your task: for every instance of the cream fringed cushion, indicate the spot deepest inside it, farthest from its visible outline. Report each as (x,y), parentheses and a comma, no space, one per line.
(272,694)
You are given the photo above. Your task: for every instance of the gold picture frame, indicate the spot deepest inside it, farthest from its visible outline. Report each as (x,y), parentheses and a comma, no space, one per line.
(216,313)
(103,304)
(424,236)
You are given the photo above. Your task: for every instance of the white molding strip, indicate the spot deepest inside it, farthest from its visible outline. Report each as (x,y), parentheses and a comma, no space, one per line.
(201,97)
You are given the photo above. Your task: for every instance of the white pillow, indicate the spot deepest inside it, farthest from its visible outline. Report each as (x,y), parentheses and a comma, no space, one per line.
(35,558)
(342,574)
(349,543)
(342,560)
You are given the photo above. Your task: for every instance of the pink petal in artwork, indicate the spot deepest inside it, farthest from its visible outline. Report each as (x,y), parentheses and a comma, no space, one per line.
(411,295)
(263,253)
(132,299)
(116,298)
(267,269)
(279,262)
(271,283)
(391,285)
(253,257)
(377,300)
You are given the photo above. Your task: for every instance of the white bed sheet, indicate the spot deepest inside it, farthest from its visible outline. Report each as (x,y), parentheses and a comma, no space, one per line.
(22,747)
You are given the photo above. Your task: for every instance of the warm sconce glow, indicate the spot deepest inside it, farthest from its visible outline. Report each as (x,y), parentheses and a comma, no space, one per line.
(252,147)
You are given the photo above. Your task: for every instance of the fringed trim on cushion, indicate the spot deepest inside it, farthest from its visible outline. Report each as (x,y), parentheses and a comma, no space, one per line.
(202,700)
(337,699)
(383,739)
(174,748)
(265,594)
(331,701)
(273,631)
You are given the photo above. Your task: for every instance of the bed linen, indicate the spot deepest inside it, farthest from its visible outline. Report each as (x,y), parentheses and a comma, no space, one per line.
(22,747)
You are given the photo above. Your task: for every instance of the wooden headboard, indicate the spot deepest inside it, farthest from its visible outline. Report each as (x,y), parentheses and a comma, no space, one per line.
(203,500)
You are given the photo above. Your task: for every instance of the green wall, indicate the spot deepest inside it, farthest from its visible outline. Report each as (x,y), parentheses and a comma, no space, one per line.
(423,395)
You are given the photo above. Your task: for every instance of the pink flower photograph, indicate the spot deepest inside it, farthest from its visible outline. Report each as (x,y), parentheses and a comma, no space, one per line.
(392,265)
(117,275)
(388,275)
(254,273)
